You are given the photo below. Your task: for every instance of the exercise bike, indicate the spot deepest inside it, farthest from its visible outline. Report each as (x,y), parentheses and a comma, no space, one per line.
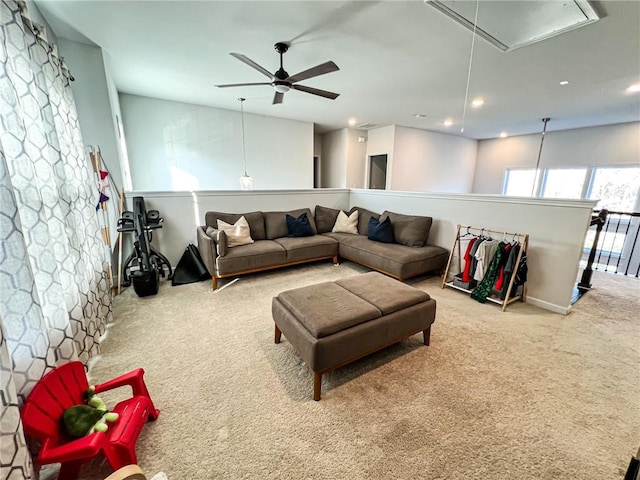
(145,265)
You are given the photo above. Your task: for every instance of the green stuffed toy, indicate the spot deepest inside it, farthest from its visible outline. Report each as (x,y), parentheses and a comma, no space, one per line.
(81,420)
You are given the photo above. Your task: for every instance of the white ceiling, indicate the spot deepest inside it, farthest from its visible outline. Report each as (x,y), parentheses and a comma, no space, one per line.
(396,59)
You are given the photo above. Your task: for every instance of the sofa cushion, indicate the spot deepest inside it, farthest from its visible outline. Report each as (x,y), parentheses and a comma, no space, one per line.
(325,218)
(255,219)
(306,248)
(298,226)
(380,231)
(346,224)
(275,223)
(409,230)
(238,233)
(363,219)
(260,254)
(397,260)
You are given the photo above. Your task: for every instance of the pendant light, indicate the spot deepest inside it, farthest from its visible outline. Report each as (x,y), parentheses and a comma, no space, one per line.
(246,181)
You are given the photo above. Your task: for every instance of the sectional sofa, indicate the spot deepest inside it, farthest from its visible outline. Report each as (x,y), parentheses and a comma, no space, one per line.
(410,254)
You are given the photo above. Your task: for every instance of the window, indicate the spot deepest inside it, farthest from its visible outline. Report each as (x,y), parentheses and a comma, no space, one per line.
(563,182)
(519,181)
(616,188)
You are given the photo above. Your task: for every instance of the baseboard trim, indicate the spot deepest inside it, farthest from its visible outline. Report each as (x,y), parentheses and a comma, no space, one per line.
(552,307)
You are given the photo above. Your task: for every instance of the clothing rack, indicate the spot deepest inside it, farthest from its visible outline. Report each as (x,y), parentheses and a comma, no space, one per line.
(522,238)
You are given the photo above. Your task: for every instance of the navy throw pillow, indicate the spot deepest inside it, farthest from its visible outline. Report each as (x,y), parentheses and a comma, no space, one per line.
(299,227)
(380,231)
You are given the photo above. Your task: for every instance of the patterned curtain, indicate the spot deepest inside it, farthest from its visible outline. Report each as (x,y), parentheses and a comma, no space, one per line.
(55,299)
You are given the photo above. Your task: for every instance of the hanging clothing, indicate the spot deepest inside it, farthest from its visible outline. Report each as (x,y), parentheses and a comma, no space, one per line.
(521,273)
(474,260)
(509,268)
(505,257)
(482,291)
(484,255)
(468,261)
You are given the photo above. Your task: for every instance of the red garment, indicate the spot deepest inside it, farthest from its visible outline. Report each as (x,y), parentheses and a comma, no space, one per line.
(466,275)
(500,280)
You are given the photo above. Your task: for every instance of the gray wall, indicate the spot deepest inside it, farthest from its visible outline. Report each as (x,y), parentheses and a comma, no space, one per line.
(93,103)
(605,145)
(424,161)
(180,146)
(432,162)
(334,159)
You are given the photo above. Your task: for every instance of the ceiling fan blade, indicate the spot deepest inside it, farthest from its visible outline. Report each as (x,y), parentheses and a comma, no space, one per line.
(326,67)
(277,98)
(242,84)
(316,91)
(252,64)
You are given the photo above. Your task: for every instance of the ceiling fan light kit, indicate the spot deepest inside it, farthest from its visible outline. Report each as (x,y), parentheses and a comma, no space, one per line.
(281,81)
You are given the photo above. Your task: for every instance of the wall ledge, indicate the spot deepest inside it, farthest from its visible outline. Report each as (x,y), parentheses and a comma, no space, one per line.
(477,197)
(236,193)
(464,197)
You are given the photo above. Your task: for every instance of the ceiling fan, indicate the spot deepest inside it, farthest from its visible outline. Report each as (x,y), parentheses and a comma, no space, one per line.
(282,82)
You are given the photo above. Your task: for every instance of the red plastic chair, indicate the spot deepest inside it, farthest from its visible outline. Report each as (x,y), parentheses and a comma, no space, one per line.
(63,387)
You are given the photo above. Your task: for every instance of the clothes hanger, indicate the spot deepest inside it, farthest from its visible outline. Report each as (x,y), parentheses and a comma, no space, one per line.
(468,233)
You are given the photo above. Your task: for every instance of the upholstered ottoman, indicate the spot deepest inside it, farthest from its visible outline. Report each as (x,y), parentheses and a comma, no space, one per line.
(334,323)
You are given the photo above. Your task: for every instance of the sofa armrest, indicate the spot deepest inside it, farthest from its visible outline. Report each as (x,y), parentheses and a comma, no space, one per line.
(207,248)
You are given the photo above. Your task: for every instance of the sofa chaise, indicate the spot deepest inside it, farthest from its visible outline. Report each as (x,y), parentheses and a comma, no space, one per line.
(407,257)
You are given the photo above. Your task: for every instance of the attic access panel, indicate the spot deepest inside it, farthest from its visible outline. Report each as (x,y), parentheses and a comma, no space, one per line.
(513,24)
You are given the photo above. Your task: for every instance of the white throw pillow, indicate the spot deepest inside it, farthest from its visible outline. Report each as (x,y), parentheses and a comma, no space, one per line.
(238,233)
(346,224)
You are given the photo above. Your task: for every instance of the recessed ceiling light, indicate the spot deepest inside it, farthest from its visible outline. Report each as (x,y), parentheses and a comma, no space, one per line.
(477,102)
(564,82)
(352,121)
(634,88)
(420,115)
(503,135)
(448,122)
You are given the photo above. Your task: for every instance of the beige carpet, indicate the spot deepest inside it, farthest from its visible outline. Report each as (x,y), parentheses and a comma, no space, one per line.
(525,394)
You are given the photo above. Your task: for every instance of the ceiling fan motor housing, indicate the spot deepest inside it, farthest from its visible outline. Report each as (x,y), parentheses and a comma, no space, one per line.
(281,86)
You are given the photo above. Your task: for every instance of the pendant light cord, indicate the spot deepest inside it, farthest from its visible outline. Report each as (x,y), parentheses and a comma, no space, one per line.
(244,152)
(473,42)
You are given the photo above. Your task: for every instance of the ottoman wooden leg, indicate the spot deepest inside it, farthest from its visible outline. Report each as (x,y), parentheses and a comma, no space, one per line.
(426,335)
(317,385)
(277,335)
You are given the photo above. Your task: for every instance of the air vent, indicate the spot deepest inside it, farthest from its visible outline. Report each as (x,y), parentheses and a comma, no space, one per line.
(367,126)
(511,25)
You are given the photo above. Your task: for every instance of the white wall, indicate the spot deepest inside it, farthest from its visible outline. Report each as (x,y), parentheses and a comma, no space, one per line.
(334,159)
(606,145)
(556,227)
(380,141)
(92,102)
(118,126)
(180,146)
(183,212)
(425,161)
(356,158)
